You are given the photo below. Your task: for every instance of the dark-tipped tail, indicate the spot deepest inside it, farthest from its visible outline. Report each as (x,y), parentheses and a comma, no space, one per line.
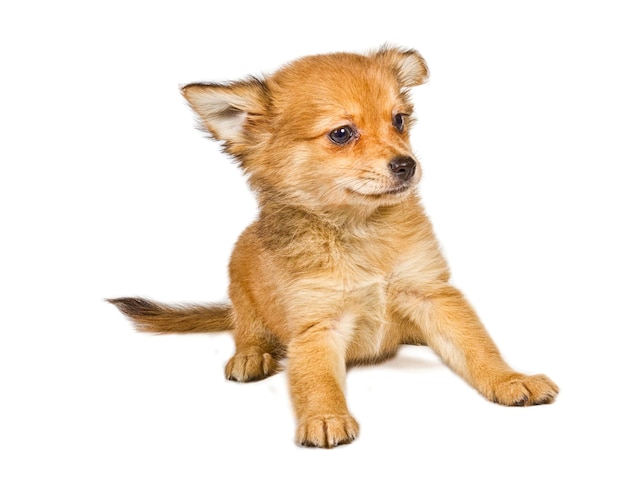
(160,318)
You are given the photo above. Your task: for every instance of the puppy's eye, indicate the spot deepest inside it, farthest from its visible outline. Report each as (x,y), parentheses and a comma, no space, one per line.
(342,135)
(398,122)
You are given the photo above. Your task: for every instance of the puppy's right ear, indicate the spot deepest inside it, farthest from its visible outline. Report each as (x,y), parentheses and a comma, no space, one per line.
(229,112)
(409,65)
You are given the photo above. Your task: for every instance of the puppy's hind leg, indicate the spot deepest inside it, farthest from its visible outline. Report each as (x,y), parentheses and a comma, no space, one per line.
(256,356)
(257,350)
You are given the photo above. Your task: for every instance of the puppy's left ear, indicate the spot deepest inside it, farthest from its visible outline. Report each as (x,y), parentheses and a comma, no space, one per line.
(409,66)
(229,112)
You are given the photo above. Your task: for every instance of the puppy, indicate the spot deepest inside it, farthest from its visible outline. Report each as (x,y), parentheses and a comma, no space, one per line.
(341,266)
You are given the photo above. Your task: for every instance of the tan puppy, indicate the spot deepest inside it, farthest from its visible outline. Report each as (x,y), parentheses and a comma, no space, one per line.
(341,266)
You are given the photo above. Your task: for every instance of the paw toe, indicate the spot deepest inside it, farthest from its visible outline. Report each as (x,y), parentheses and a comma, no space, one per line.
(327,431)
(522,390)
(250,367)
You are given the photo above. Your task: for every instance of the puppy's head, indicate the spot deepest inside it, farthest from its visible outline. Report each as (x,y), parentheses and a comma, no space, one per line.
(327,130)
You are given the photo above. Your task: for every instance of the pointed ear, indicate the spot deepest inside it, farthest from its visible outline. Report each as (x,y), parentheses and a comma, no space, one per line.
(227,111)
(409,65)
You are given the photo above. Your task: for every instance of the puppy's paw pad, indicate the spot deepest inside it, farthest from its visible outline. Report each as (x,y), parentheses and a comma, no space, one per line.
(248,367)
(327,431)
(524,390)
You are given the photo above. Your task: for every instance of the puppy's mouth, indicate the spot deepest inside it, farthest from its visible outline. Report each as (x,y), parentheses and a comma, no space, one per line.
(396,190)
(399,189)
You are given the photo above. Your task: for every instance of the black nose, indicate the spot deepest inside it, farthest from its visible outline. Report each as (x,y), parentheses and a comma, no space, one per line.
(403,167)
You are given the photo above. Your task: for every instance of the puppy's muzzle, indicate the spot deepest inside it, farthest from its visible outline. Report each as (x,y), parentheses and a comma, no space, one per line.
(403,167)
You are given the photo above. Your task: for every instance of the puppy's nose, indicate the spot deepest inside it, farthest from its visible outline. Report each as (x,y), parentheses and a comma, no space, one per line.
(403,167)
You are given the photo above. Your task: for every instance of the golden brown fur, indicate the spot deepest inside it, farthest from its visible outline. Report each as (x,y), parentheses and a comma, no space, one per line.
(341,266)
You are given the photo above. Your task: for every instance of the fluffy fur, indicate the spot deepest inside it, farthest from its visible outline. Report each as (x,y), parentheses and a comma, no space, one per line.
(341,266)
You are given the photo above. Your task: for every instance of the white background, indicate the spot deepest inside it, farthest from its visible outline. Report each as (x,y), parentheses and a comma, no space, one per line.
(107,190)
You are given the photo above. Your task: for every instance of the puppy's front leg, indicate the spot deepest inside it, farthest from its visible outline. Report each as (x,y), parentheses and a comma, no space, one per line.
(452,329)
(317,371)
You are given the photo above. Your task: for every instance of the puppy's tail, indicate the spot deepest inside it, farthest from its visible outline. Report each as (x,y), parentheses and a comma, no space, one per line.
(153,317)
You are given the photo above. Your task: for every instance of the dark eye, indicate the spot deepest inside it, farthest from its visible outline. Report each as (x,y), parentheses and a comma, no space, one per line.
(341,135)
(398,122)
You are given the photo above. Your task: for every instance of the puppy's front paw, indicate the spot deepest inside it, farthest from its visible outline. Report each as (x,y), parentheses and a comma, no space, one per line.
(327,431)
(523,390)
(250,366)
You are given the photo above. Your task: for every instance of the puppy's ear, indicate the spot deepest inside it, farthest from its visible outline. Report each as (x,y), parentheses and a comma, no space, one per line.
(229,112)
(409,66)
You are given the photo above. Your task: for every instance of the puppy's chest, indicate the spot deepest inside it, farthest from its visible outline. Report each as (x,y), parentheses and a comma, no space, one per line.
(354,261)
(347,269)
(348,265)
